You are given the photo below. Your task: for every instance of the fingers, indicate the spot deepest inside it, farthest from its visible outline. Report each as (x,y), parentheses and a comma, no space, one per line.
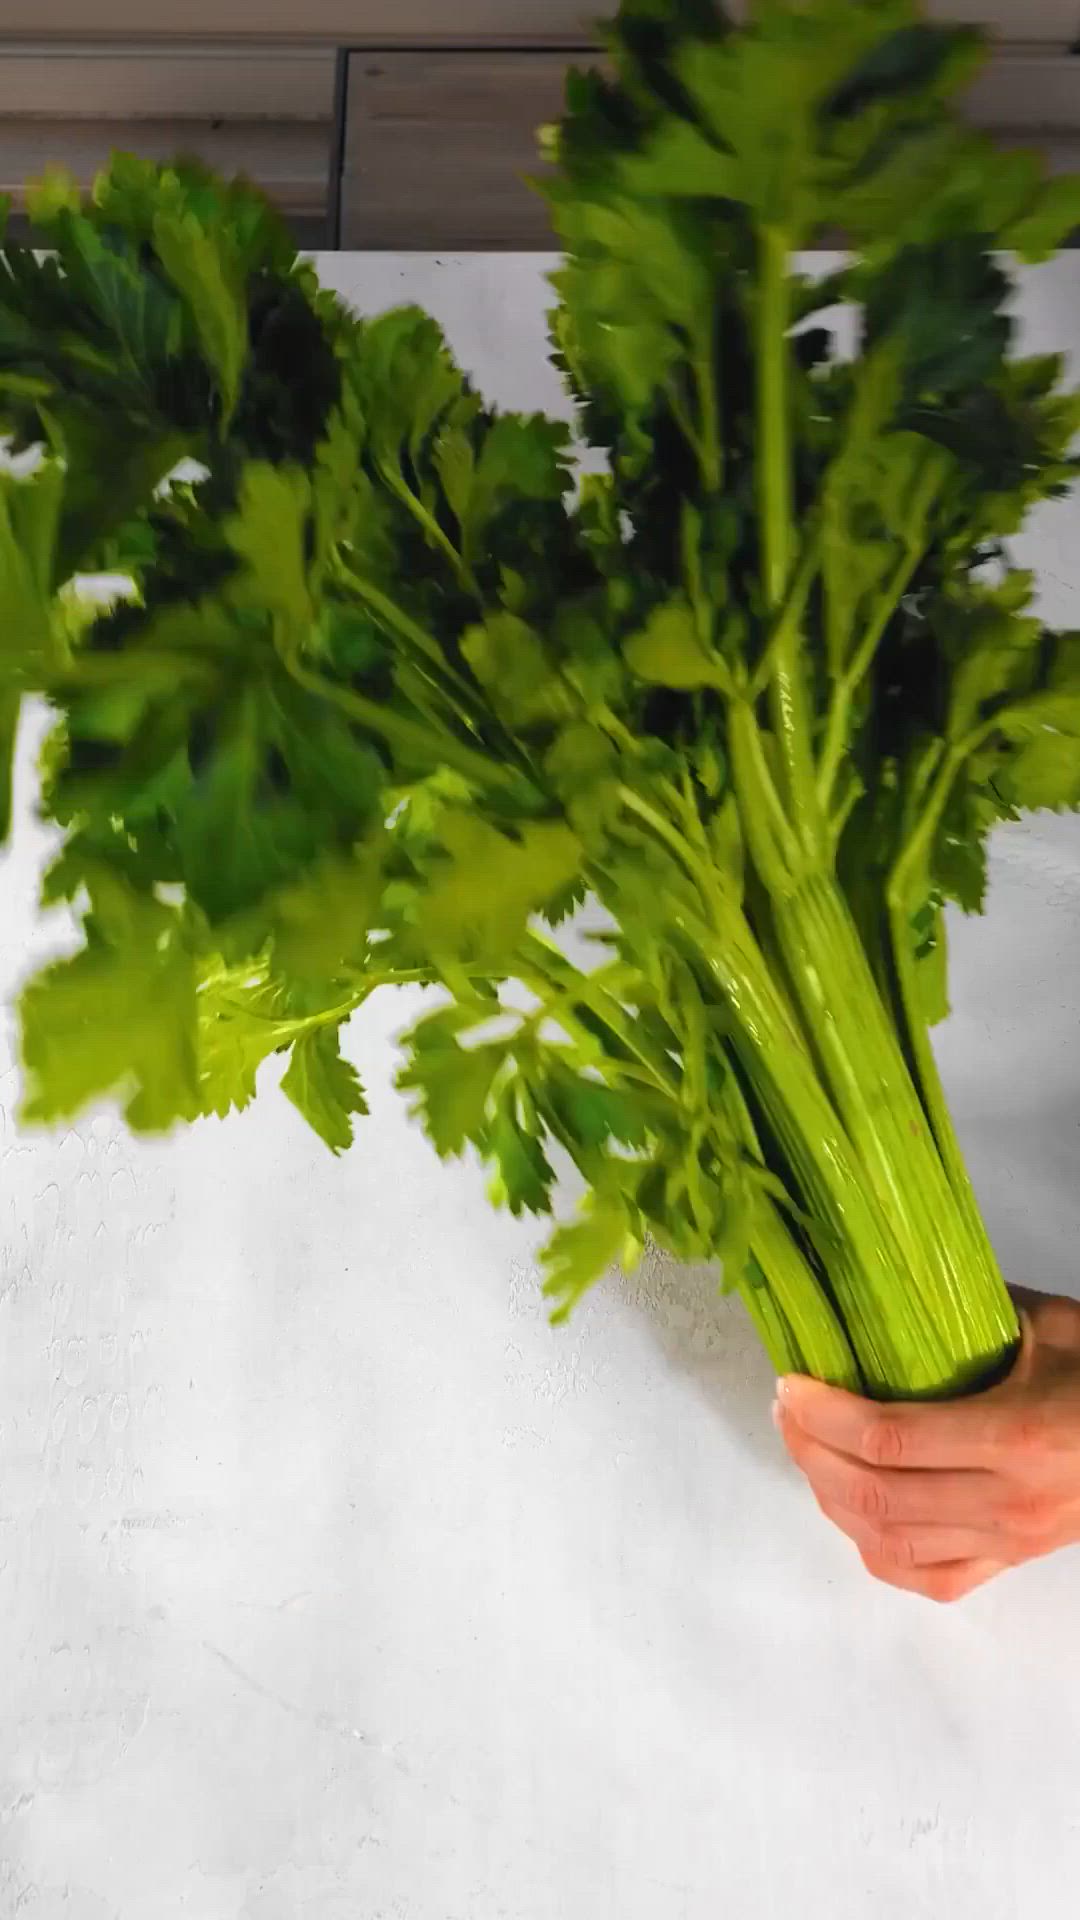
(903,1435)
(1047,1320)
(1027,1299)
(944,1584)
(890,1496)
(939,1498)
(905,1549)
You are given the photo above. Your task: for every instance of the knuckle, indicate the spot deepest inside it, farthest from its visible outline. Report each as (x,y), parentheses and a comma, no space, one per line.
(1027,1513)
(1056,1321)
(896,1549)
(1029,1432)
(884,1443)
(868,1498)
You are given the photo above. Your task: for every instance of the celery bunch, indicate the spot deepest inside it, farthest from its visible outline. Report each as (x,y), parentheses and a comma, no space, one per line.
(395,693)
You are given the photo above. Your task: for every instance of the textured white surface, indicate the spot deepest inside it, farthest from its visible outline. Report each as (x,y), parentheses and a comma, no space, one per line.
(335,1586)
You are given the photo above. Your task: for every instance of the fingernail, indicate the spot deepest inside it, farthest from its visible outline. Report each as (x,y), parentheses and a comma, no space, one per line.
(783,1389)
(777,1415)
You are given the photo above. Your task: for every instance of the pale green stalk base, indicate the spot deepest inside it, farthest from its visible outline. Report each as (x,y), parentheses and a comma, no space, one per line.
(808,1335)
(949,1281)
(925,1314)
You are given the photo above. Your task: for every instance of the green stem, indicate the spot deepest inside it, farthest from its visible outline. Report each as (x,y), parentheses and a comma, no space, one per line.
(930,1087)
(789,619)
(712,456)
(680,413)
(798,1293)
(770,1325)
(818,1335)
(398,621)
(690,546)
(774,433)
(774,849)
(950,1275)
(682,799)
(586,989)
(697,868)
(795,1304)
(930,796)
(788,1305)
(309,1023)
(925,1326)
(760,918)
(795,1300)
(10,714)
(172,669)
(788,702)
(912,862)
(847,686)
(899,1348)
(925,1312)
(841,814)
(369,983)
(927,486)
(402,491)
(399,731)
(902,887)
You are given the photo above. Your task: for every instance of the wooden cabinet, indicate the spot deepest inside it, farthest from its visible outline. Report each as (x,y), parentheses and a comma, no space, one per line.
(442,102)
(267,112)
(437,143)
(360,22)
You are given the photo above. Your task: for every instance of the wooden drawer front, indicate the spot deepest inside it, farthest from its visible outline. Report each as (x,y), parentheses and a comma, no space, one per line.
(437,145)
(342,23)
(428,22)
(290,162)
(87,80)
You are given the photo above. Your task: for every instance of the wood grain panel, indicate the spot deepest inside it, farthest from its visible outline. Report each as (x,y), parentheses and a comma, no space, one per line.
(339,22)
(431,22)
(1030,93)
(438,142)
(140,82)
(290,163)
(437,147)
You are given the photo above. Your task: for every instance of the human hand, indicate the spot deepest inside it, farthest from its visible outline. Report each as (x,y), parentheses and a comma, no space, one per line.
(941,1497)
